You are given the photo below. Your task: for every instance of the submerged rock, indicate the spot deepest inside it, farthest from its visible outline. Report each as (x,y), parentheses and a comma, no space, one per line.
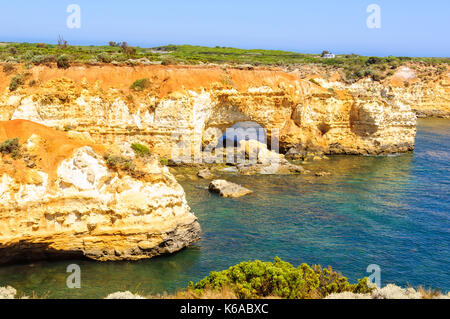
(205,174)
(228,189)
(321,174)
(282,168)
(78,203)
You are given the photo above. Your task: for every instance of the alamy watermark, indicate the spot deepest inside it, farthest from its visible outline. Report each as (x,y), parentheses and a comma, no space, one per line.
(74,279)
(74,19)
(375,276)
(230,147)
(374,19)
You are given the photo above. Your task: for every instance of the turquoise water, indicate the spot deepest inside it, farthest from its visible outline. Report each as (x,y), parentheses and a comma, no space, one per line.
(392,211)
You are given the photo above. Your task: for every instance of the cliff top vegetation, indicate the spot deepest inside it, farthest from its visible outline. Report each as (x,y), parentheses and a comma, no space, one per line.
(353,66)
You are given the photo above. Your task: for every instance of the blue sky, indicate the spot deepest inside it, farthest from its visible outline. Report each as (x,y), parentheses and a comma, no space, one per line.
(408,28)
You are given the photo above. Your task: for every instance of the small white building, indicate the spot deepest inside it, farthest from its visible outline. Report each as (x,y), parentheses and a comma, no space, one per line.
(328,56)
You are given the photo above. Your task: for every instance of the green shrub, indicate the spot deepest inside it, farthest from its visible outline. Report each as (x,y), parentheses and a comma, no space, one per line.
(63,62)
(12,147)
(257,279)
(16,81)
(43,59)
(104,57)
(164,161)
(140,85)
(169,61)
(8,67)
(119,162)
(127,50)
(373,60)
(141,150)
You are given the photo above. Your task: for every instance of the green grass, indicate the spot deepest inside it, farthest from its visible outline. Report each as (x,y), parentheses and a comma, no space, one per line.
(140,150)
(352,66)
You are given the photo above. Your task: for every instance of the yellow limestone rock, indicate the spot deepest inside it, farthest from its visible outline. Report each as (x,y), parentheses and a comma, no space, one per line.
(71,204)
(194,105)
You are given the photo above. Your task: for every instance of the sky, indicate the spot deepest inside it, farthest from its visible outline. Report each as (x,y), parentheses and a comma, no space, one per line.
(408,28)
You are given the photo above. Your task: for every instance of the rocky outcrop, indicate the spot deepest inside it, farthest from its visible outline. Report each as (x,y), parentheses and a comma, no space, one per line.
(228,189)
(425,89)
(8,292)
(186,109)
(84,200)
(391,291)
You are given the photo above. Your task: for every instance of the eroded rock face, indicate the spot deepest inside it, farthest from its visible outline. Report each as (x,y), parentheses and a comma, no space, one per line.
(79,206)
(187,109)
(427,93)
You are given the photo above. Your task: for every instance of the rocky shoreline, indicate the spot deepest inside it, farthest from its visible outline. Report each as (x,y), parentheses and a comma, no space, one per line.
(72,185)
(390,291)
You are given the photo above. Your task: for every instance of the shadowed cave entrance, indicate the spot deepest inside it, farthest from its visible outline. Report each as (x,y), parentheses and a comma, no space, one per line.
(240,131)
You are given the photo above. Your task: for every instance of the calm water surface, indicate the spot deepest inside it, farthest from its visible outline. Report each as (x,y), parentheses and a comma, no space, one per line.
(392,211)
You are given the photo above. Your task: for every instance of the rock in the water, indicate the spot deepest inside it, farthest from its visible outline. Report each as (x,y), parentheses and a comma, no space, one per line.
(75,201)
(282,168)
(205,174)
(228,189)
(321,174)
(260,160)
(258,153)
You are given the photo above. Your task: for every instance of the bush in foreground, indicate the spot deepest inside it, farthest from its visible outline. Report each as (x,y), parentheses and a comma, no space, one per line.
(11,146)
(257,279)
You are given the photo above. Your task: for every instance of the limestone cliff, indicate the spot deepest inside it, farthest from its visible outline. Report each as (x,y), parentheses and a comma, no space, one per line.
(60,197)
(426,89)
(194,105)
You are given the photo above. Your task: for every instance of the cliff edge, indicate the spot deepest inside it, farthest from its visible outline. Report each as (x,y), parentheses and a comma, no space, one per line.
(165,106)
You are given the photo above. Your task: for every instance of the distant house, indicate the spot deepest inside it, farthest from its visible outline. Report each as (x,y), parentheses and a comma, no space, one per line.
(328,55)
